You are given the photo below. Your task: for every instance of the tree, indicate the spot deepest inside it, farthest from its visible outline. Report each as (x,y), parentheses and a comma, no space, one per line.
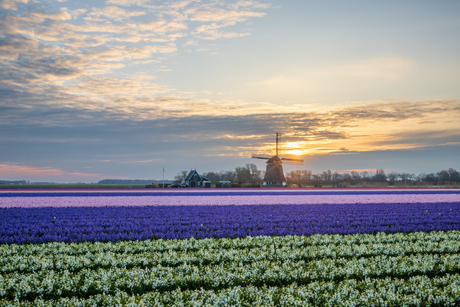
(406,177)
(315,178)
(356,177)
(248,174)
(180,176)
(295,177)
(346,177)
(420,177)
(431,178)
(336,178)
(365,176)
(306,176)
(454,175)
(444,176)
(392,177)
(380,176)
(220,176)
(213,177)
(226,175)
(255,173)
(326,176)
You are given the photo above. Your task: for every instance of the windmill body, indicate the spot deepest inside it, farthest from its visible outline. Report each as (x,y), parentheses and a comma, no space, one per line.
(274,174)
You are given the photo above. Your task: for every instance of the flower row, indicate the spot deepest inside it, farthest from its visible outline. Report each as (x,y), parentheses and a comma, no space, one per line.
(144,258)
(192,244)
(414,291)
(40,225)
(23,200)
(219,192)
(49,284)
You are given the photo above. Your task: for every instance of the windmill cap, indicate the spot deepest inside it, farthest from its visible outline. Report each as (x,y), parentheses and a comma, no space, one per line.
(274,159)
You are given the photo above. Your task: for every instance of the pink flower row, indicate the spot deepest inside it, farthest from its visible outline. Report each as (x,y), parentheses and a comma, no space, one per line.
(117,201)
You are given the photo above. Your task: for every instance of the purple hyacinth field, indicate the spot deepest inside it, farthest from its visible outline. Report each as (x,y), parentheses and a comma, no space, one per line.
(38,217)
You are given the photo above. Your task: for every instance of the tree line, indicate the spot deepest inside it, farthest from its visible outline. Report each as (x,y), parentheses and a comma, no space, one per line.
(307,177)
(250,174)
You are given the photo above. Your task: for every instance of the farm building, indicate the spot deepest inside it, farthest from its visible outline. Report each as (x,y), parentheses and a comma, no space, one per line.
(195,180)
(225,184)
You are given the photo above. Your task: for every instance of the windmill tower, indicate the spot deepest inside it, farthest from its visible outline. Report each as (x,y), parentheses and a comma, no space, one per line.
(274,175)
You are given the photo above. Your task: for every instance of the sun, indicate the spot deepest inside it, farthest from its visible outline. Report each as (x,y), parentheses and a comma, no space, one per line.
(296,152)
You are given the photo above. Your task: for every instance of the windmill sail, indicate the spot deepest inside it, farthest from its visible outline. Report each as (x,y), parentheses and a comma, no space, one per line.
(290,159)
(255,157)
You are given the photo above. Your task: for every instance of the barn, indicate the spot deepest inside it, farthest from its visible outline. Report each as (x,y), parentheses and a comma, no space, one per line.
(195,180)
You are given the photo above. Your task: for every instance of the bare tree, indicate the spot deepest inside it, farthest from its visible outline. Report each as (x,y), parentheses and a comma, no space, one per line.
(444,176)
(248,174)
(306,176)
(220,176)
(392,176)
(336,178)
(380,176)
(365,176)
(454,175)
(356,177)
(295,177)
(346,177)
(180,176)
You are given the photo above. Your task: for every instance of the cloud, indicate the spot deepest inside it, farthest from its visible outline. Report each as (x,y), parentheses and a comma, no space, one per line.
(114,13)
(127,2)
(60,16)
(423,137)
(181,4)
(119,53)
(11,171)
(11,4)
(398,111)
(211,31)
(190,42)
(252,4)
(77,12)
(12,45)
(41,47)
(116,90)
(218,14)
(31,62)
(162,26)
(130,99)
(406,160)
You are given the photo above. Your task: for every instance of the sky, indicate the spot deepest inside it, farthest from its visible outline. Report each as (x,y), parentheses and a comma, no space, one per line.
(124,88)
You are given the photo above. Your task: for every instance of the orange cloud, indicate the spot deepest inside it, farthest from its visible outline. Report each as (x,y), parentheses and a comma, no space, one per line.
(9,171)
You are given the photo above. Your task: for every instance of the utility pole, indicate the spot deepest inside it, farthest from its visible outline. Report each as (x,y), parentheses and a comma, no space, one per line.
(163,177)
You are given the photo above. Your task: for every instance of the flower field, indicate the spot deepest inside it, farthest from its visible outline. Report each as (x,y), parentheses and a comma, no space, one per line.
(235,248)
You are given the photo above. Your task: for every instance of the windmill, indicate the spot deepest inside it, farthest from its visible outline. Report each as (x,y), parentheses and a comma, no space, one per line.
(274,174)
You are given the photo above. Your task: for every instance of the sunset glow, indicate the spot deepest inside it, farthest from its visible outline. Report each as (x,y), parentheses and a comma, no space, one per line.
(296,152)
